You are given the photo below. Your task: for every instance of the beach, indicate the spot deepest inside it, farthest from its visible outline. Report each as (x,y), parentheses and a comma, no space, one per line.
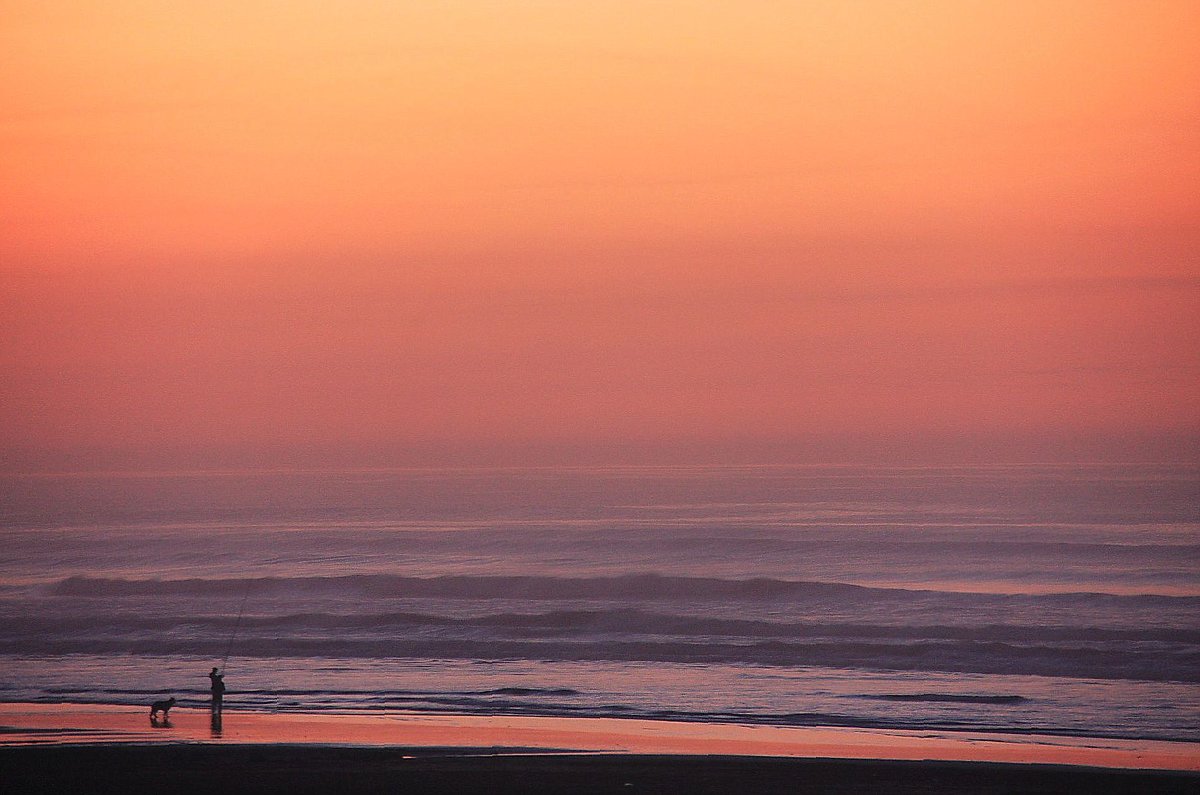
(600,397)
(92,748)
(756,629)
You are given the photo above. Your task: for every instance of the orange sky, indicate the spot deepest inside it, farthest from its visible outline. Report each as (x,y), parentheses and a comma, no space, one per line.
(375,232)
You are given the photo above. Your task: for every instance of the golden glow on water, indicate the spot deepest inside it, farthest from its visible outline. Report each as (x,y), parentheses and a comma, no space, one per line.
(59,724)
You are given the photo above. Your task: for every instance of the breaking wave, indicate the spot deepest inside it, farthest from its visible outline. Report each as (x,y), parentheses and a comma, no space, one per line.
(537,588)
(579,624)
(947,698)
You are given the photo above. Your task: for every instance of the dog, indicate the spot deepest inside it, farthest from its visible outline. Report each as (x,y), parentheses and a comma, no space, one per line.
(165,708)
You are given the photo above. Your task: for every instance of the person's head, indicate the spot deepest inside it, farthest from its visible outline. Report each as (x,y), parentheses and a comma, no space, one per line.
(214,670)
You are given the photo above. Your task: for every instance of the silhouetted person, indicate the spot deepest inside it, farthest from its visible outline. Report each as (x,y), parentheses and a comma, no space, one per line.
(218,691)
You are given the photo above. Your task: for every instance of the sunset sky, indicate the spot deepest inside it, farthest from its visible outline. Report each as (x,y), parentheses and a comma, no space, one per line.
(297,233)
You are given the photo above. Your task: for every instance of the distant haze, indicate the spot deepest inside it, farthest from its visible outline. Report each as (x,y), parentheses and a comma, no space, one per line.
(276,234)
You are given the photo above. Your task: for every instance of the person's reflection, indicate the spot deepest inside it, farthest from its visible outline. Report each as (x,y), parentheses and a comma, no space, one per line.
(218,691)
(218,697)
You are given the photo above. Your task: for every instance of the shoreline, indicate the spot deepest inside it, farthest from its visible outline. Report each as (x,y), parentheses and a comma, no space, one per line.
(68,748)
(78,725)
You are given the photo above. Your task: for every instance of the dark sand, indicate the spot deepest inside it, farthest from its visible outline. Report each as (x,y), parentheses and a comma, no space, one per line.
(324,769)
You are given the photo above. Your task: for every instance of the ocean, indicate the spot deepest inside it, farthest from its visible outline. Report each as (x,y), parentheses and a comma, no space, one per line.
(1050,599)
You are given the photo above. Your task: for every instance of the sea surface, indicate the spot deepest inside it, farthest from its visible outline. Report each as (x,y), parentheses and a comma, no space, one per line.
(1058,599)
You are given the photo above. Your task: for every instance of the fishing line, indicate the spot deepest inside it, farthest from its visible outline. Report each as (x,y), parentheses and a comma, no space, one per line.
(236,625)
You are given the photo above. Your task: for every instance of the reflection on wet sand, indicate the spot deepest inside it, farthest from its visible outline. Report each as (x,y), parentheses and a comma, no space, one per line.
(62,724)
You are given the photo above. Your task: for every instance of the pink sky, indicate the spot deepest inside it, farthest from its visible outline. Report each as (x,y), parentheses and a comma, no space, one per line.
(276,233)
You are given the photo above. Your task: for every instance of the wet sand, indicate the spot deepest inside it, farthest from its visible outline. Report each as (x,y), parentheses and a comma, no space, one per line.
(89,748)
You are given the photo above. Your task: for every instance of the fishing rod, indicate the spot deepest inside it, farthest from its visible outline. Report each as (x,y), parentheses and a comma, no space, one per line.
(236,625)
